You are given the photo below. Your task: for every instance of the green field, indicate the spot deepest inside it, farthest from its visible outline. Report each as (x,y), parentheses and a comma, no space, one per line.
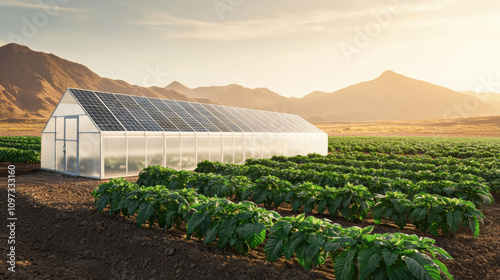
(438,185)
(20,149)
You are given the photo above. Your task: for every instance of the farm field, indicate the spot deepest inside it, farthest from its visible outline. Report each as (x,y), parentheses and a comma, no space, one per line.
(66,236)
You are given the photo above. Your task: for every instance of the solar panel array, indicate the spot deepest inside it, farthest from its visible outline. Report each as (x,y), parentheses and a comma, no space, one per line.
(119,112)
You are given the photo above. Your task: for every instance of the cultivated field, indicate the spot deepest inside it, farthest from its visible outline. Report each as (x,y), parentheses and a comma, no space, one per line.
(247,221)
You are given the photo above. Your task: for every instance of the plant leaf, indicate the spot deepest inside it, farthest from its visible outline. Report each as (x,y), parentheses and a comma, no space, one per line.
(343,267)
(369,259)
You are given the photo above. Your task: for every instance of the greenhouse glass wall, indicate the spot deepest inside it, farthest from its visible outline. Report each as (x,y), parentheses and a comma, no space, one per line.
(105,135)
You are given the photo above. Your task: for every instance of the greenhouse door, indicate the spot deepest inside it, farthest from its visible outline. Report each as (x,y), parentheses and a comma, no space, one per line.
(71,144)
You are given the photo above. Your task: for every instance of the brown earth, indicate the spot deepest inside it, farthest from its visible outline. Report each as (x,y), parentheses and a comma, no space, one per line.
(452,127)
(60,235)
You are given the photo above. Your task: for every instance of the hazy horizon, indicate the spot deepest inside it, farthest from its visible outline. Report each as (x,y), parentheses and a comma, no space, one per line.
(290,47)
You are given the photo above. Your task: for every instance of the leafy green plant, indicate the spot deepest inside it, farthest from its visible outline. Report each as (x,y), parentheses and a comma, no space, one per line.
(432,212)
(240,225)
(392,206)
(268,190)
(302,237)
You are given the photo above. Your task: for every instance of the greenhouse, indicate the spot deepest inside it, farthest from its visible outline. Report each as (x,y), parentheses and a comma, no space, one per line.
(105,135)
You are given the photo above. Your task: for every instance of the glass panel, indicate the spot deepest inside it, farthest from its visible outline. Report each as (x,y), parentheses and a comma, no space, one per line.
(289,143)
(249,147)
(114,157)
(60,128)
(68,106)
(266,146)
(71,128)
(48,151)
(89,154)
(302,145)
(173,146)
(281,142)
(71,157)
(215,148)
(227,149)
(136,155)
(188,155)
(203,148)
(155,150)
(86,125)
(274,144)
(238,149)
(60,155)
(295,144)
(257,140)
(51,125)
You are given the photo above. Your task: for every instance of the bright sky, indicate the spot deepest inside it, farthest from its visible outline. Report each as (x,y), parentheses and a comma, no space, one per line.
(292,47)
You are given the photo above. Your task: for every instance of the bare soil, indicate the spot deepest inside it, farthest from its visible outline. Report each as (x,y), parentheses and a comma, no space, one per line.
(60,235)
(452,127)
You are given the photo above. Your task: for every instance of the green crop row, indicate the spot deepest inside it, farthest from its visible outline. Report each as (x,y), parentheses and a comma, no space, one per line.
(21,146)
(487,168)
(13,155)
(355,252)
(434,147)
(20,139)
(349,201)
(475,192)
(379,172)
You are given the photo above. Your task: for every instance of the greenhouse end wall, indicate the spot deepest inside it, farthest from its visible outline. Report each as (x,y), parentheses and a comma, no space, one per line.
(126,154)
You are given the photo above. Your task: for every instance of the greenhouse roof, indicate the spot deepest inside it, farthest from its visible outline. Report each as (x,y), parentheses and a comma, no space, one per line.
(120,112)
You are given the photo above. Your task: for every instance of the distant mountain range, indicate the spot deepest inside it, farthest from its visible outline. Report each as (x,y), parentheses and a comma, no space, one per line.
(31,84)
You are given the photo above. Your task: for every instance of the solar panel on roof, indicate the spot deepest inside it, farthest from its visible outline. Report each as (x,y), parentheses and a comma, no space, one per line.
(276,120)
(139,114)
(171,115)
(210,117)
(236,118)
(294,124)
(119,111)
(269,119)
(252,121)
(303,124)
(189,107)
(290,126)
(190,120)
(97,111)
(155,114)
(222,118)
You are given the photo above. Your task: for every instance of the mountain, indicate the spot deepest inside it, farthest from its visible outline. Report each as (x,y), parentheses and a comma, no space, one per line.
(235,95)
(391,96)
(31,83)
(492,98)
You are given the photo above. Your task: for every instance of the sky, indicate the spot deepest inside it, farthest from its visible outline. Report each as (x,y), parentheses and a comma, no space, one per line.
(292,47)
